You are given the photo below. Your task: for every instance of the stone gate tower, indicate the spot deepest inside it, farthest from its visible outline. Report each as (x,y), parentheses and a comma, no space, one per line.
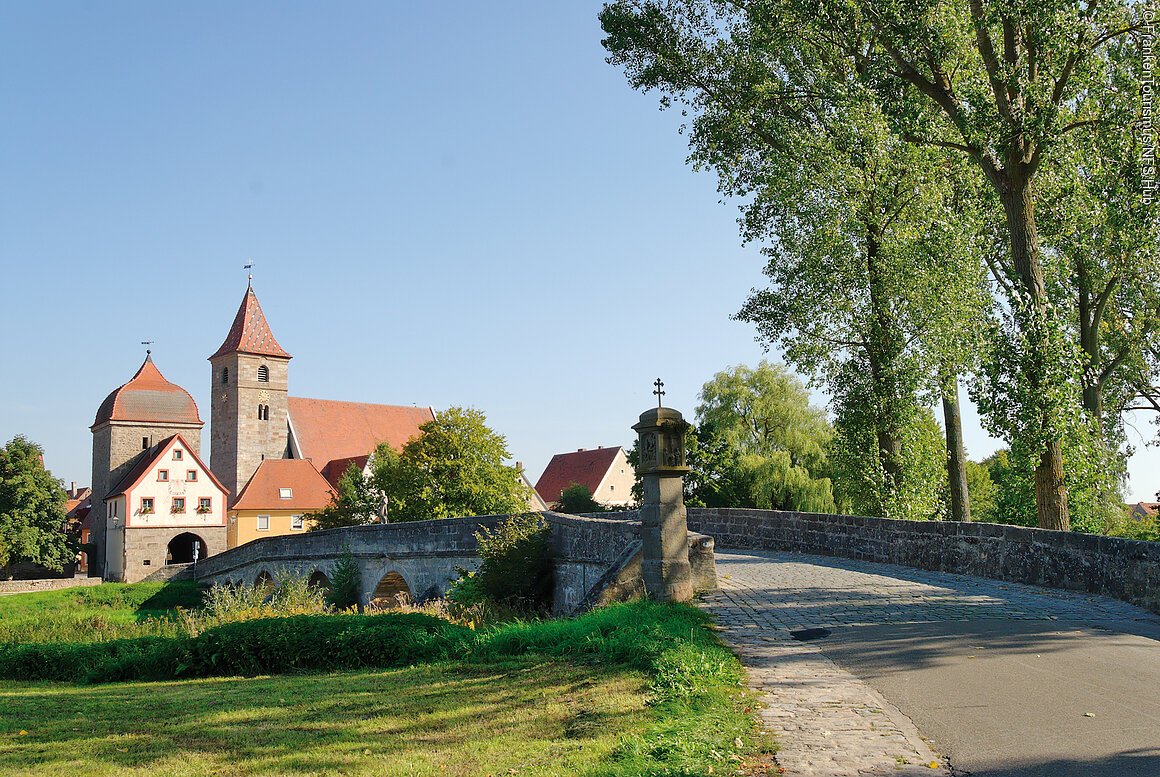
(248,406)
(132,419)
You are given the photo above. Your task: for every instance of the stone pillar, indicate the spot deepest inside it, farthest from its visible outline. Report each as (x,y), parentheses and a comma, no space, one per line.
(664,528)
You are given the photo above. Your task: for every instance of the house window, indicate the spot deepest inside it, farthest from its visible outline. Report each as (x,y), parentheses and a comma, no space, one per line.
(191,475)
(163,475)
(296,523)
(611,487)
(263,523)
(178,454)
(178,505)
(263,374)
(204,504)
(225,375)
(285,493)
(146,505)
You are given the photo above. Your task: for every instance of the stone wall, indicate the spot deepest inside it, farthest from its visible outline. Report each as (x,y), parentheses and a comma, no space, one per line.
(1122,569)
(146,549)
(54,584)
(590,553)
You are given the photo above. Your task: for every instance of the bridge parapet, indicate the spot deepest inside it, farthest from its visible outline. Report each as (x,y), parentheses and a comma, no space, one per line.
(1128,570)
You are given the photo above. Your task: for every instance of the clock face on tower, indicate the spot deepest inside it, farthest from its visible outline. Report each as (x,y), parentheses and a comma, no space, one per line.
(263,396)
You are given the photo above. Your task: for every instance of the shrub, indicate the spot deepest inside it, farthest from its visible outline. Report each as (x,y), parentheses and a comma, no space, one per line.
(345,583)
(516,568)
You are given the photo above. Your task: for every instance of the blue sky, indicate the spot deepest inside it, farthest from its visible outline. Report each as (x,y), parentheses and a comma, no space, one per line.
(447,204)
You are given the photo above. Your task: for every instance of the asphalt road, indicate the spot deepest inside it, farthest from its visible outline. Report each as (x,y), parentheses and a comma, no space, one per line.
(1004,680)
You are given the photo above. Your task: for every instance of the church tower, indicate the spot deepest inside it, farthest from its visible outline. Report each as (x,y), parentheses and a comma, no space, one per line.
(248,406)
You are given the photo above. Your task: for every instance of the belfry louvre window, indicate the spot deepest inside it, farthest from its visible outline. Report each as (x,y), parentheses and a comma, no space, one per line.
(225,375)
(263,374)
(263,412)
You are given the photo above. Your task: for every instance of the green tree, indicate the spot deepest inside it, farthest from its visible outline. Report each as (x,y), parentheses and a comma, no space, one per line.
(869,260)
(984,493)
(356,501)
(1003,88)
(455,467)
(760,443)
(577,499)
(32,516)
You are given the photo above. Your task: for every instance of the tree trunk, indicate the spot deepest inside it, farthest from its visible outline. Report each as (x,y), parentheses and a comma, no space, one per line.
(956,454)
(883,348)
(1019,208)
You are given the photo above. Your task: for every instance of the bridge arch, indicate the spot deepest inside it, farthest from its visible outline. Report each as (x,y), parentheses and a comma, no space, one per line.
(391,591)
(265,581)
(320,580)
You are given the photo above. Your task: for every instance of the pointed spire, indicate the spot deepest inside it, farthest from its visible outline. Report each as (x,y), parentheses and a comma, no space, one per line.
(250,332)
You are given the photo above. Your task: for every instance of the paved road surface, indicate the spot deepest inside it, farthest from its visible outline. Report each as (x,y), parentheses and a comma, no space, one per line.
(1000,679)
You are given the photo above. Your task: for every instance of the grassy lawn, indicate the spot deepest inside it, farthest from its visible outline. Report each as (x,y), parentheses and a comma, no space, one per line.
(93,614)
(529,717)
(630,689)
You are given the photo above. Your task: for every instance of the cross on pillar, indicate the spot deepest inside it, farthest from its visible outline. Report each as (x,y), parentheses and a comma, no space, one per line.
(659,390)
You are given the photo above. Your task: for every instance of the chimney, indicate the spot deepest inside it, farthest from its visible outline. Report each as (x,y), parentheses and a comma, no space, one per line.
(72,492)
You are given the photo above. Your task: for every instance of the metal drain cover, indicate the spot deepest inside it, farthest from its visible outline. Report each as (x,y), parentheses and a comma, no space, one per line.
(807,635)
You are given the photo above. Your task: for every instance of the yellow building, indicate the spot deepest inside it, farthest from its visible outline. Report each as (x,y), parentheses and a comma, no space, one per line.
(277,500)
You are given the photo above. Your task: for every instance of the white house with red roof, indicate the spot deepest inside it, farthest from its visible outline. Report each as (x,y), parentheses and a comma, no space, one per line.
(605,472)
(168,509)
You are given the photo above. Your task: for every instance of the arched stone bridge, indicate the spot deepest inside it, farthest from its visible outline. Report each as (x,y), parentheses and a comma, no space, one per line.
(596,559)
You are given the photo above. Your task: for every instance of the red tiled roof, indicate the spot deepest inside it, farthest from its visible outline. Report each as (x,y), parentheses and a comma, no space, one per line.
(335,469)
(587,468)
(149,397)
(250,333)
(1147,509)
(309,490)
(326,430)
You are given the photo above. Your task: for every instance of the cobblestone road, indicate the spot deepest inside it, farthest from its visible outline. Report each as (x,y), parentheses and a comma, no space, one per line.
(830,723)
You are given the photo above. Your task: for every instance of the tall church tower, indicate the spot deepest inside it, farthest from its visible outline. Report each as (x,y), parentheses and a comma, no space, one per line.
(248,407)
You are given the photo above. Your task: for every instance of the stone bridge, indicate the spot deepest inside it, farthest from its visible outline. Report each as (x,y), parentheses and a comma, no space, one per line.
(596,559)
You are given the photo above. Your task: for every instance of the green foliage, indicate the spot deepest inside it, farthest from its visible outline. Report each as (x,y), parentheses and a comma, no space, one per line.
(288,595)
(760,442)
(915,492)
(454,468)
(98,613)
(345,583)
(984,493)
(356,501)
(32,515)
(577,499)
(516,563)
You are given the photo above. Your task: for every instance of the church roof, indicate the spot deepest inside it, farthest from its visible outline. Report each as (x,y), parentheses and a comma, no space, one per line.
(587,468)
(250,333)
(308,490)
(325,430)
(148,397)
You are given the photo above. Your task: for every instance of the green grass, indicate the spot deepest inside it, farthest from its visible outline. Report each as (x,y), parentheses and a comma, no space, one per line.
(97,613)
(446,719)
(633,689)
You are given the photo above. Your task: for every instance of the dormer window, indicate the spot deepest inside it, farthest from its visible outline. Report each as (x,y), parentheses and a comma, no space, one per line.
(263,374)
(225,375)
(285,493)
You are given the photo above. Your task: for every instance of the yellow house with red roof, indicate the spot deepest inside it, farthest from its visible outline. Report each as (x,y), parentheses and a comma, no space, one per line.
(277,500)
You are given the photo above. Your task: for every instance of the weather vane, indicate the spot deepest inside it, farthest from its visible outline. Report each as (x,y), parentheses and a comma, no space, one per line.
(659,390)
(250,267)
(148,350)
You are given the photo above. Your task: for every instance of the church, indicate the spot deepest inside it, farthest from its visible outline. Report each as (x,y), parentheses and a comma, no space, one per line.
(157,504)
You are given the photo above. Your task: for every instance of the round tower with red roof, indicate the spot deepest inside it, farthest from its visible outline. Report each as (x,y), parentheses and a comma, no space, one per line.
(133,418)
(248,398)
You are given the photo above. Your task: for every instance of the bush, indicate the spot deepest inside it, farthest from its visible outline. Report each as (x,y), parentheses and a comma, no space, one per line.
(345,582)
(516,568)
